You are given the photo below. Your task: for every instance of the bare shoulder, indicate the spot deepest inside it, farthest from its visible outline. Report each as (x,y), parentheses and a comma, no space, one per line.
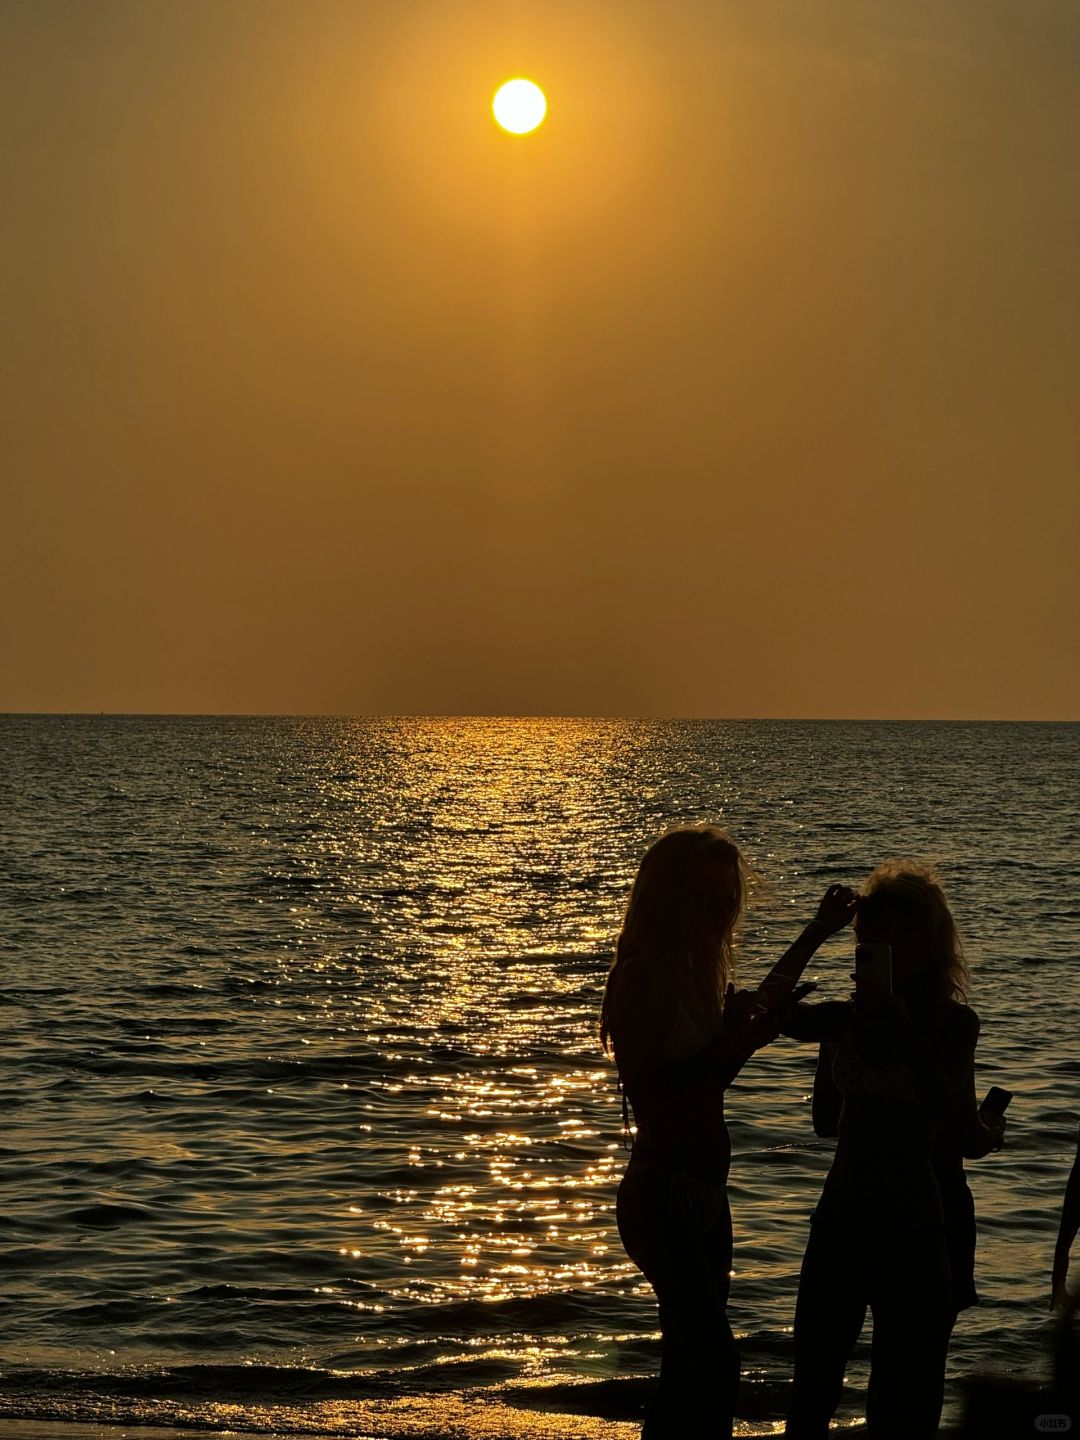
(959,1025)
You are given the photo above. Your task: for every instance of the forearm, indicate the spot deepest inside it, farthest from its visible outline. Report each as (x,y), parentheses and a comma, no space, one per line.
(719,1061)
(1070,1219)
(1063,1247)
(785,974)
(978,1140)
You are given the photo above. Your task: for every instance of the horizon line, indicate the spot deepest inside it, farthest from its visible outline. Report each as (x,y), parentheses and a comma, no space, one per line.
(560,715)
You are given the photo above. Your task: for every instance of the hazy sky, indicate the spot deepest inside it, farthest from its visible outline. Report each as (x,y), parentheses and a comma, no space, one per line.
(748,386)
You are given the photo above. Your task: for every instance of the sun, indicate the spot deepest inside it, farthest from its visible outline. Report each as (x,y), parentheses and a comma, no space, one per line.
(519,106)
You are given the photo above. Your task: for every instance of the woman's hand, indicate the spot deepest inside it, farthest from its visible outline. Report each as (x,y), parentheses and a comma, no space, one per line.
(749,1021)
(836,910)
(996,1125)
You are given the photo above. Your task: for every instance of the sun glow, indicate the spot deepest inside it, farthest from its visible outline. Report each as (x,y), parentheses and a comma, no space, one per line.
(519,106)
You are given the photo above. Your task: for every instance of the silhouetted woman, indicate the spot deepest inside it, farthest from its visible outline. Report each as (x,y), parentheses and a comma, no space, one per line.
(680,1033)
(1070,1224)
(894,1224)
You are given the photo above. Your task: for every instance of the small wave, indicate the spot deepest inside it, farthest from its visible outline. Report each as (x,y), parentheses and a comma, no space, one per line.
(239,1293)
(577,1309)
(173,990)
(263,1383)
(106,1217)
(622,1399)
(353,1066)
(282,881)
(107,1312)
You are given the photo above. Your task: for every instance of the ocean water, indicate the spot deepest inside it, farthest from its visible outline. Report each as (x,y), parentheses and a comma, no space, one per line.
(306,1128)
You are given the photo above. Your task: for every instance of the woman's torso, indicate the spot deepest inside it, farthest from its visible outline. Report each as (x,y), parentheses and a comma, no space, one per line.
(883,1172)
(679,1108)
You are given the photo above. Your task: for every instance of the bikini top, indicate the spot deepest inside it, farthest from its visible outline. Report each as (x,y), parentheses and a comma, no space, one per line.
(853,1075)
(896,1080)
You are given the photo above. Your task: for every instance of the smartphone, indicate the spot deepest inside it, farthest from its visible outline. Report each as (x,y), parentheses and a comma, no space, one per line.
(997,1100)
(873,968)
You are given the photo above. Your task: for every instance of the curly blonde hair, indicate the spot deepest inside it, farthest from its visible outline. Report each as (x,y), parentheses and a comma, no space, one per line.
(660,949)
(909,897)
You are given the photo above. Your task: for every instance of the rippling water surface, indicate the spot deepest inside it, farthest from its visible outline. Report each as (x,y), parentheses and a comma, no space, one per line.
(306,1126)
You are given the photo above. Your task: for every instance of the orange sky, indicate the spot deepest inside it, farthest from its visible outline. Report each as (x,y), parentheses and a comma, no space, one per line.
(748,386)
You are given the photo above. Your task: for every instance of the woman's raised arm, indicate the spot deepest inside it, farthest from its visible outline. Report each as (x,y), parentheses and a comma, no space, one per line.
(836,910)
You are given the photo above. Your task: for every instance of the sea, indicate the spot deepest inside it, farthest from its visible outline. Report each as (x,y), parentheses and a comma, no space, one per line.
(306,1125)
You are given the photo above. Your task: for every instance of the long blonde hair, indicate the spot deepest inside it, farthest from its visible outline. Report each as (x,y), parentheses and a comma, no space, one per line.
(676,940)
(910,897)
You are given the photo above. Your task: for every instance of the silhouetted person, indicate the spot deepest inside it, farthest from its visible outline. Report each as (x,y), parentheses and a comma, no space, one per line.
(903,1066)
(680,1033)
(952,1146)
(1070,1223)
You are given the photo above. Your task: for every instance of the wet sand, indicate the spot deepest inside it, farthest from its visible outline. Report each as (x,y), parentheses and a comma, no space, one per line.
(409,1418)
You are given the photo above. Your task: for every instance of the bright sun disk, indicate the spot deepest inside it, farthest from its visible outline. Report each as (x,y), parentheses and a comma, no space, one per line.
(519,106)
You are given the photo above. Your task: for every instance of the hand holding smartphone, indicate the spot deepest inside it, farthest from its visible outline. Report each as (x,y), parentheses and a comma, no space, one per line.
(996,1101)
(992,1113)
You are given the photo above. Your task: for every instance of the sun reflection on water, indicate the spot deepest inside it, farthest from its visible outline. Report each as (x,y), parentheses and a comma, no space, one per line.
(500,888)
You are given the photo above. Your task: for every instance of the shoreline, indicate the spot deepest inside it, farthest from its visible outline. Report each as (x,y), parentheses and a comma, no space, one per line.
(406,1418)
